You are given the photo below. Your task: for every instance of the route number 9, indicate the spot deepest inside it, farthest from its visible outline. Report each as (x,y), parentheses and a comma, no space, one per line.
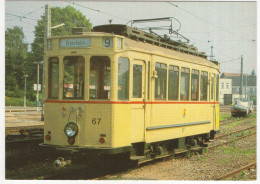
(108,42)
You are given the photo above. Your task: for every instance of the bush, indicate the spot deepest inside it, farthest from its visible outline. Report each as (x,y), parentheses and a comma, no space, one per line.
(18,102)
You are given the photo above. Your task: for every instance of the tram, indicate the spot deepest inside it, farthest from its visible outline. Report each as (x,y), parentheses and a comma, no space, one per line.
(119,90)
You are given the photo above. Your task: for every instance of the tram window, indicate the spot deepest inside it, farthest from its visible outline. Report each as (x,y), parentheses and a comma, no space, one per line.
(73,82)
(195,85)
(217,88)
(212,86)
(53,78)
(137,81)
(173,83)
(160,82)
(148,82)
(99,81)
(203,86)
(185,83)
(123,78)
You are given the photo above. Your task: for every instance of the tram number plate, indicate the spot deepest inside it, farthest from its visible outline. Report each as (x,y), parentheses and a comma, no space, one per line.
(96,121)
(108,42)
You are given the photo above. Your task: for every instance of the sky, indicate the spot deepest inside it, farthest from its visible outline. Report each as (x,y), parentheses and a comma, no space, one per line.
(230,27)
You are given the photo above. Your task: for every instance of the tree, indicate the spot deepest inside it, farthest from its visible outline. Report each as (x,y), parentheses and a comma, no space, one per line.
(15,56)
(253,72)
(69,16)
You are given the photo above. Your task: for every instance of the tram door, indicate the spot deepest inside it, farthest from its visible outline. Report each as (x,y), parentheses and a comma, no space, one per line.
(137,107)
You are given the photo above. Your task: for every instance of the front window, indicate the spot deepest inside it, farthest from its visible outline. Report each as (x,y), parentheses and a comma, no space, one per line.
(99,81)
(73,83)
(53,78)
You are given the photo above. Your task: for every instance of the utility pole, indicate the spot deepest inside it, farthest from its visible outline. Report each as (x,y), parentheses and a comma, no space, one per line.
(241,77)
(25,90)
(37,94)
(246,88)
(47,33)
(211,54)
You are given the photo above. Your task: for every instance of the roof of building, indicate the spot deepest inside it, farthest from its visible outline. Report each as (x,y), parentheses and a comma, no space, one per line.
(224,75)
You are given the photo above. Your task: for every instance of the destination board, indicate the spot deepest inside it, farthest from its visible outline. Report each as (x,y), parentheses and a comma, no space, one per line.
(75,42)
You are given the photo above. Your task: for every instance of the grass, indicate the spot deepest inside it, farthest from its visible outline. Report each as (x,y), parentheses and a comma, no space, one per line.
(233,150)
(224,117)
(238,122)
(252,115)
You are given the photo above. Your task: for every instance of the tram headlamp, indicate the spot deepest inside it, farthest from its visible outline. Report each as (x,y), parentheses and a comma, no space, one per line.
(71,129)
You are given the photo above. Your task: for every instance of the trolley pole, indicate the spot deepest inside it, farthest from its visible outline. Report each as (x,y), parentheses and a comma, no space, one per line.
(241,77)
(47,33)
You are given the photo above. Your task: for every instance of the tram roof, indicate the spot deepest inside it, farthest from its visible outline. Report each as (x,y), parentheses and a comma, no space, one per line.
(146,47)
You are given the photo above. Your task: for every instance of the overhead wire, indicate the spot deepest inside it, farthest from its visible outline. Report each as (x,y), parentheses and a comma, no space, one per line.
(204,20)
(96,10)
(231,60)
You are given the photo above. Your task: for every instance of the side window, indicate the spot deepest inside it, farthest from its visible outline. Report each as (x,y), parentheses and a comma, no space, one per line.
(99,81)
(123,78)
(212,86)
(217,88)
(73,84)
(160,82)
(185,83)
(173,83)
(53,77)
(195,85)
(203,86)
(137,81)
(148,82)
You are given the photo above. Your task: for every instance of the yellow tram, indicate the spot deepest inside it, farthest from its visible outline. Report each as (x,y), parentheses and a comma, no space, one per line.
(121,90)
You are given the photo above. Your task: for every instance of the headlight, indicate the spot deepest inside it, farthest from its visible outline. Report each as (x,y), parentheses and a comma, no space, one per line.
(71,129)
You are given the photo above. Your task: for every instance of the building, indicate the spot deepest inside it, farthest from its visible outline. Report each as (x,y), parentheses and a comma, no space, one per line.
(225,91)
(249,85)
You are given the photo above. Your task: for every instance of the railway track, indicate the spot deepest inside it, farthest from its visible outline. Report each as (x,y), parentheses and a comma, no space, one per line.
(92,172)
(99,175)
(237,171)
(235,132)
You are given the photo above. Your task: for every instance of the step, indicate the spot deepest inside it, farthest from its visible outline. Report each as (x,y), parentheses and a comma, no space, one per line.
(137,157)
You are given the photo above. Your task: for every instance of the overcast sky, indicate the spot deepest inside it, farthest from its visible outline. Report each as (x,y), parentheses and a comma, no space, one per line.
(230,27)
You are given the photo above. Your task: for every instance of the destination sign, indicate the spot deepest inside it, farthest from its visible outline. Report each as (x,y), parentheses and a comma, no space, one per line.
(75,42)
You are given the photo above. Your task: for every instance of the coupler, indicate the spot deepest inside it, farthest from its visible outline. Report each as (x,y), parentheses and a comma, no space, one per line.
(60,162)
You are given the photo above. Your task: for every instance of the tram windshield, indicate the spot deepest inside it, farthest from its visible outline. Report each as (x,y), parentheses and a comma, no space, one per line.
(99,82)
(73,83)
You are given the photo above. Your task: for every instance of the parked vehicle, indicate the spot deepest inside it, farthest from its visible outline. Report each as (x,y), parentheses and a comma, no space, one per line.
(242,107)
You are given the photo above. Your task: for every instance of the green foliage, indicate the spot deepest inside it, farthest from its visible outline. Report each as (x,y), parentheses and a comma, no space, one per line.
(224,117)
(18,102)
(15,56)
(71,18)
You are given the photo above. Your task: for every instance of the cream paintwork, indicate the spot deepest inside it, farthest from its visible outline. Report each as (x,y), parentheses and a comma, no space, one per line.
(119,121)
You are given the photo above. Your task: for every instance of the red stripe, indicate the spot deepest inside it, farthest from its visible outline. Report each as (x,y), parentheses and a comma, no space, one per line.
(122,102)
